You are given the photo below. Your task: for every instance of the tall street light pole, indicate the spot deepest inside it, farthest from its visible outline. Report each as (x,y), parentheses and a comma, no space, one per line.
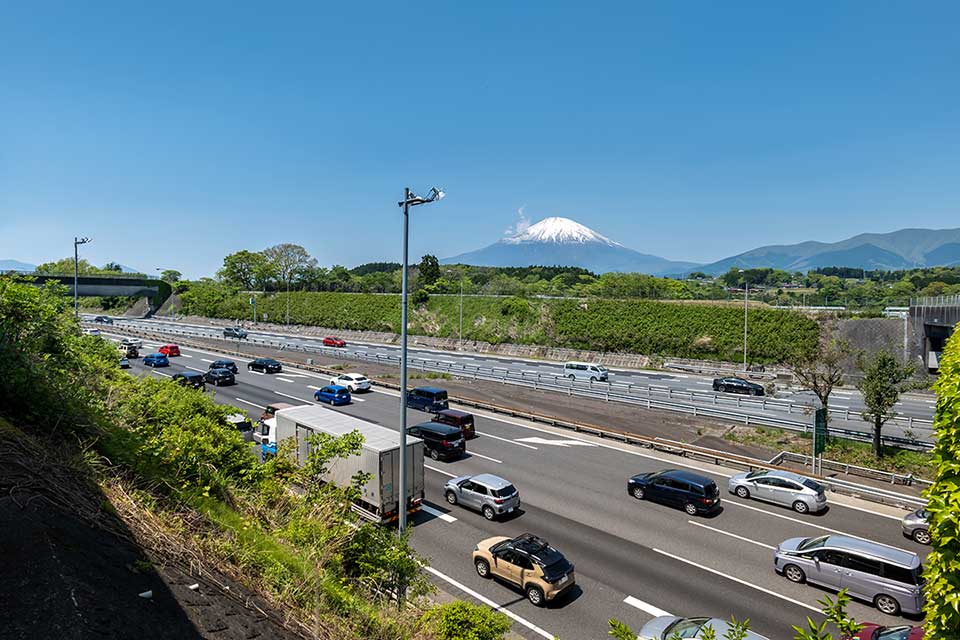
(460,345)
(409,200)
(76,273)
(746,293)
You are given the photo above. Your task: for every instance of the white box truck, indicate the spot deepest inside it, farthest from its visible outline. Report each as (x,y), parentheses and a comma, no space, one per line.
(379,456)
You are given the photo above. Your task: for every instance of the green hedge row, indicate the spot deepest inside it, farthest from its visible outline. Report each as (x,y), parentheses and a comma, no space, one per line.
(669,329)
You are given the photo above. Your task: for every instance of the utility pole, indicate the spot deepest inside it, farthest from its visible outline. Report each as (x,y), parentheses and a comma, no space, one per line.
(460,345)
(76,274)
(746,294)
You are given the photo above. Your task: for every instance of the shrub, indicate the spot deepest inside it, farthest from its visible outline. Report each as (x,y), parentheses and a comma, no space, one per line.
(465,621)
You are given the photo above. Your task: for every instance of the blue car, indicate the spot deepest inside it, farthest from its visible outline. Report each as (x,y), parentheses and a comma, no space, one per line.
(334,394)
(156,360)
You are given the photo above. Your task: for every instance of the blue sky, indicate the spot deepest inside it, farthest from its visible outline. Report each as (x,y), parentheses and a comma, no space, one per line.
(181,132)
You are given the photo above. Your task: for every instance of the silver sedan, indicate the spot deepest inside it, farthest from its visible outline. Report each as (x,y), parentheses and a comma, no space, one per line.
(916,526)
(801,494)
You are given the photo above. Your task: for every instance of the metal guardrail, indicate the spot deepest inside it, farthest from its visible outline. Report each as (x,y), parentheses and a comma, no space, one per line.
(617,392)
(661,444)
(906,479)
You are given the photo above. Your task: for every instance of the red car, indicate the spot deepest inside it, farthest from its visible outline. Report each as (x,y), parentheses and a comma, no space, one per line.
(169,350)
(330,341)
(899,632)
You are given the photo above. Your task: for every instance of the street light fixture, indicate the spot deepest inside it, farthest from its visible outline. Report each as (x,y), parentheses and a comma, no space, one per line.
(746,293)
(76,273)
(409,200)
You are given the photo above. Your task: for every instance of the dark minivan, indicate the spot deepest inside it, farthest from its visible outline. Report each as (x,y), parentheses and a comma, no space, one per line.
(675,487)
(190,379)
(431,399)
(456,418)
(441,441)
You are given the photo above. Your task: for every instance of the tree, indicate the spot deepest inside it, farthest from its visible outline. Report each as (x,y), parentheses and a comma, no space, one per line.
(288,260)
(820,370)
(65,266)
(170,275)
(942,573)
(113,266)
(883,381)
(429,271)
(244,269)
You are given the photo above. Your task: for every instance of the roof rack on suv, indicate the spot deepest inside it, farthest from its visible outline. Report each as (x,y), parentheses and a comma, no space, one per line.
(529,543)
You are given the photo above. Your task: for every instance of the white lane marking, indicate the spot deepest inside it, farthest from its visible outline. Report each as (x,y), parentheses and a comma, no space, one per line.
(446,517)
(807,523)
(259,373)
(194,368)
(205,360)
(160,373)
(646,606)
(738,580)
(480,455)
(446,473)
(283,379)
(557,443)
(185,355)
(294,375)
(310,386)
(873,513)
(354,398)
(492,604)
(252,404)
(839,406)
(287,395)
(732,535)
(519,444)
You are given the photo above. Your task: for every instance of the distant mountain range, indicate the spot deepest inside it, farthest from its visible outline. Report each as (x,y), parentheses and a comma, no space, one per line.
(564,242)
(16,265)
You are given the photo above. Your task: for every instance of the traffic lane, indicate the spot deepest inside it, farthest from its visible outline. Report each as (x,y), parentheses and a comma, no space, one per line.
(623,567)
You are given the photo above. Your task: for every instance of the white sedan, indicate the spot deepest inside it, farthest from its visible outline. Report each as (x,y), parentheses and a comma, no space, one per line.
(352,381)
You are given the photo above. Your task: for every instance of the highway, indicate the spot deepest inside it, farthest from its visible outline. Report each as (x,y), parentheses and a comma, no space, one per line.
(793,405)
(633,559)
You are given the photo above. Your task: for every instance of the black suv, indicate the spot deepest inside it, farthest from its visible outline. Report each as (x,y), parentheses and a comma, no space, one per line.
(431,399)
(234,332)
(103,320)
(674,487)
(737,385)
(229,365)
(440,440)
(218,377)
(190,379)
(266,365)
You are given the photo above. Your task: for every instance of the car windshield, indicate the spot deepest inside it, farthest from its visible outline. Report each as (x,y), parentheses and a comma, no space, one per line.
(508,490)
(893,633)
(360,378)
(343,392)
(812,543)
(812,484)
(756,474)
(684,628)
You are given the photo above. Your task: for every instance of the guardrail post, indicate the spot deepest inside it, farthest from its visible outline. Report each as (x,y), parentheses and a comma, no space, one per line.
(846,414)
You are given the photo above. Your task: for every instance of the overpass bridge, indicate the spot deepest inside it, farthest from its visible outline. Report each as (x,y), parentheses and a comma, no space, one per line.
(933,319)
(103,286)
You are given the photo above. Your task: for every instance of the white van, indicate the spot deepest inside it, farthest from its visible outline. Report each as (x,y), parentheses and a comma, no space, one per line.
(585,371)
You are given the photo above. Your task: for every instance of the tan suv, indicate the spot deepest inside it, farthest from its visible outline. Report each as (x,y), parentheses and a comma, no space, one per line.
(527,562)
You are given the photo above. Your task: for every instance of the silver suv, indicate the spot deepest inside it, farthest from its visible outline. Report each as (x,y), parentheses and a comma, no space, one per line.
(489,494)
(916,525)
(780,487)
(886,576)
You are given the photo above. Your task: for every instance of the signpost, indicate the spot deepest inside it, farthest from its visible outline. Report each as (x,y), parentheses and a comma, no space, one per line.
(819,436)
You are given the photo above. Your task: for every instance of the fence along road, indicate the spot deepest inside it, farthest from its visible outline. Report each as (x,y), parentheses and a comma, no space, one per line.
(653,390)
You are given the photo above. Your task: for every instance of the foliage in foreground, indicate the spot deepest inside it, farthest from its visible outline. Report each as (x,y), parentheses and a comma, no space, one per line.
(942,571)
(176,454)
(465,621)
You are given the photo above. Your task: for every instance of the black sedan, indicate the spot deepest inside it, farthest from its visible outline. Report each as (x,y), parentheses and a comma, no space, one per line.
(219,377)
(265,365)
(737,385)
(190,379)
(229,365)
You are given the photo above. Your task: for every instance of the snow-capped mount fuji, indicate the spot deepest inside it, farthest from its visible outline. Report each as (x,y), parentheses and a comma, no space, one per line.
(565,242)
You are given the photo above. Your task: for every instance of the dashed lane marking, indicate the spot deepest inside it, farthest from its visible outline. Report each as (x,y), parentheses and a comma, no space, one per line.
(446,517)
(646,607)
(732,535)
(252,404)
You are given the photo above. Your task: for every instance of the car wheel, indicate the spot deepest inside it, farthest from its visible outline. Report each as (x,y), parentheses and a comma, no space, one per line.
(690,508)
(638,493)
(572,377)
(742,492)
(434,454)
(921,535)
(535,596)
(887,605)
(593,379)
(451,497)
(482,567)
(800,506)
(489,513)
(793,573)
(723,388)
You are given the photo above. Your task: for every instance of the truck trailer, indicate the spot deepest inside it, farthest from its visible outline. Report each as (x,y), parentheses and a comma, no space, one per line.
(379,456)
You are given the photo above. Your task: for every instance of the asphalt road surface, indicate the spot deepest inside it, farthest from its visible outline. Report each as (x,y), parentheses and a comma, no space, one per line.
(634,560)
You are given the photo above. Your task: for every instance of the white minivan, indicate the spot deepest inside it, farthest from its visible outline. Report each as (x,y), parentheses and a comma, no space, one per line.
(585,371)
